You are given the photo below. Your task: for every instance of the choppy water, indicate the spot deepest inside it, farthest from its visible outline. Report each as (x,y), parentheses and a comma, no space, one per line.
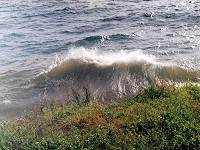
(114,47)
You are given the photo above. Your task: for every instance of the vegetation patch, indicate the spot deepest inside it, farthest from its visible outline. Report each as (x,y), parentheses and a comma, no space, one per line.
(159,117)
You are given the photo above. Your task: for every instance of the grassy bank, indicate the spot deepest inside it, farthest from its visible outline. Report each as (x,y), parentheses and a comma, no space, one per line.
(158,118)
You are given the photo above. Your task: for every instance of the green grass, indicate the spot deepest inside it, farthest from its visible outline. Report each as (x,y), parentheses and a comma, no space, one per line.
(159,117)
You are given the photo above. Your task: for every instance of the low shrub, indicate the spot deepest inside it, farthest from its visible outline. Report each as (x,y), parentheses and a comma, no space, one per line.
(158,118)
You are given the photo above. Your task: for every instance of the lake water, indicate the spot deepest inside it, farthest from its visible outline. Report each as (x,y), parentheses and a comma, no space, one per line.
(50,48)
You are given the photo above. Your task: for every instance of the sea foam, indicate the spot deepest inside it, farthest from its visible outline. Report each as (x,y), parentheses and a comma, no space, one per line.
(108,57)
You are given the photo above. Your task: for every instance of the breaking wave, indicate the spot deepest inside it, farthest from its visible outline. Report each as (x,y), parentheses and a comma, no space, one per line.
(107,75)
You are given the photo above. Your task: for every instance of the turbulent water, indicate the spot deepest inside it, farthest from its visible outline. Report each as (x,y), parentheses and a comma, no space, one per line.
(50,48)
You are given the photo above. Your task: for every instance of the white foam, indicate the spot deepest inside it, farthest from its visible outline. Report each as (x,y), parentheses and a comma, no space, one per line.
(6,102)
(108,57)
(94,3)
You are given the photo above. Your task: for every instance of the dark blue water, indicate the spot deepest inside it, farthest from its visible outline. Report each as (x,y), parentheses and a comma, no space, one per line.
(46,44)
